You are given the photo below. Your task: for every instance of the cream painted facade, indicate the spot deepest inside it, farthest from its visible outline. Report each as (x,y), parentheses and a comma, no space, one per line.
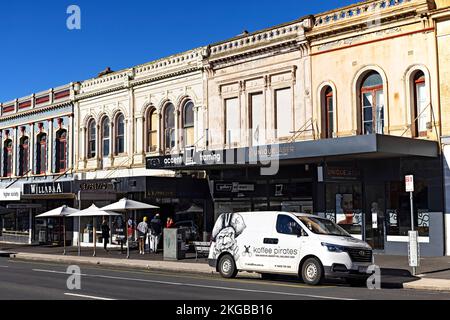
(134,93)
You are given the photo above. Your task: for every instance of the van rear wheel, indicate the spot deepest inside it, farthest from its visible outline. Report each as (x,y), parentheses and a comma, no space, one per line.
(312,271)
(227,266)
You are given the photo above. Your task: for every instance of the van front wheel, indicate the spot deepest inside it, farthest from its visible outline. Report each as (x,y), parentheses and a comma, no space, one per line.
(312,271)
(227,267)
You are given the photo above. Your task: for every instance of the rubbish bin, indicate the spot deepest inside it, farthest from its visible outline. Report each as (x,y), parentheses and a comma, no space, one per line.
(173,244)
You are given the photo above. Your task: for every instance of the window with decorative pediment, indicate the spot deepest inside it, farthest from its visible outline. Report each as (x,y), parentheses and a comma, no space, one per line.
(61,151)
(106,144)
(188,124)
(92,139)
(152,130)
(41,153)
(24,155)
(120,134)
(169,127)
(7,158)
(372,104)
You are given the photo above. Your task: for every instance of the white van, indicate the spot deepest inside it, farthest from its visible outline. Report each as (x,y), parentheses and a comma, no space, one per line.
(306,245)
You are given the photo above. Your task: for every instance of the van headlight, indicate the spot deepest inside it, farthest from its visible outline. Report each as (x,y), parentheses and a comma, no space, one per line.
(333,247)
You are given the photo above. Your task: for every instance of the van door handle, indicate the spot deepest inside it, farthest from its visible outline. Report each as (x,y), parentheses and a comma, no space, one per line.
(270,241)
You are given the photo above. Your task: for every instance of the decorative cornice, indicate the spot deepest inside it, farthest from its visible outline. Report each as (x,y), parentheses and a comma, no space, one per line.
(35,111)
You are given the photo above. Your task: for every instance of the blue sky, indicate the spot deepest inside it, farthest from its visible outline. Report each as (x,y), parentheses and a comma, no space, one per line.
(38,52)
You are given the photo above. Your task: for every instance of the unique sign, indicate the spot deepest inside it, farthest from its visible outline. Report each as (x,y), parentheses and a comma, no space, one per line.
(11,194)
(409,183)
(47,188)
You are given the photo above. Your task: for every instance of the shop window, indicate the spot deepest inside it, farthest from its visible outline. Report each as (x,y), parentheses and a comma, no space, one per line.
(283,113)
(41,153)
(257,119)
(372,104)
(420,112)
(61,150)
(327,113)
(92,138)
(188,124)
(152,131)
(24,156)
(398,212)
(106,137)
(344,206)
(287,225)
(232,121)
(120,134)
(169,127)
(7,158)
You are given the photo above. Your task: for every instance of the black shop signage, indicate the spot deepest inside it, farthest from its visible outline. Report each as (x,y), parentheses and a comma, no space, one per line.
(48,188)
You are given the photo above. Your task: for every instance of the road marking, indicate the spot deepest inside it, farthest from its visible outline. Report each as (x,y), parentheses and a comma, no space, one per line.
(3,266)
(188,276)
(87,297)
(197,285)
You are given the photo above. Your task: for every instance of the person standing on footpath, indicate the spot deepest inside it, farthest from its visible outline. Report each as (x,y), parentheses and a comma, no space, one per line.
(142,234)
(105,234)
(156,229)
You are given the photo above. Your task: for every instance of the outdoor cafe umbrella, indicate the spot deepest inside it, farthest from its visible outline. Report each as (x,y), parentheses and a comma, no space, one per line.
(63,212)
(92,211)
(124,205)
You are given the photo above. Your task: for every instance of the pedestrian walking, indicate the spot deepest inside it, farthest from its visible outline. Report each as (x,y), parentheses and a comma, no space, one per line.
(155,229)
(105,234)
(142,234)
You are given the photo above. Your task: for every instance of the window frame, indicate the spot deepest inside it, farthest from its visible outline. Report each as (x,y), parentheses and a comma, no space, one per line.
(92,143)
(152,146)
(119,137)
(105,121)
(8,154)
(61,162)
(275,110)
(373,90)
(169,131)
(24,161)
(41,158)
(416,117)
(186,126)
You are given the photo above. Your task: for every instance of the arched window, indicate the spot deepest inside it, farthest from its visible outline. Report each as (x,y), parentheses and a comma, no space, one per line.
(420,112)
(106,137)
(188,124)
(41,153)
(372,104)
(327,113)
(92,138)
(169,127)
(24,155)
(7,158)
(120,134)
(61,151)
(152,131)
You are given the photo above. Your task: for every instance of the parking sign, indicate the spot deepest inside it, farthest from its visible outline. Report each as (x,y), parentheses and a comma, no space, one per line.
(409,183)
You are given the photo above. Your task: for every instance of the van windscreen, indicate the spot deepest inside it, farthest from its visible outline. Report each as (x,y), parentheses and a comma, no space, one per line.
(323,226)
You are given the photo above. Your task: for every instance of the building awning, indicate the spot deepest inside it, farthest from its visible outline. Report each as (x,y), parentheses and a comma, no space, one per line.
(355,147)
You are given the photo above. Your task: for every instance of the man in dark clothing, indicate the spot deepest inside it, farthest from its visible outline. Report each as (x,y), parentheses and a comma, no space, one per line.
(105,234)
(156,230)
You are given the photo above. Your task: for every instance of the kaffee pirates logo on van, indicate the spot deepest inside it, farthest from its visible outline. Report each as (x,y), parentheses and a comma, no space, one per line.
(227,228)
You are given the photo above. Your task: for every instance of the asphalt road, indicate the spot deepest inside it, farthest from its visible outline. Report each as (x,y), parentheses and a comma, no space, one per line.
(20,280)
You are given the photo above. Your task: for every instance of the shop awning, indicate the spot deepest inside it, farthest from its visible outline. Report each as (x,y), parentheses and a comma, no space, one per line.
(355,147)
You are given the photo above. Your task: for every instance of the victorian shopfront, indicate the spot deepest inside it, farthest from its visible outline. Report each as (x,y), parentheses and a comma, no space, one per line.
(358,182)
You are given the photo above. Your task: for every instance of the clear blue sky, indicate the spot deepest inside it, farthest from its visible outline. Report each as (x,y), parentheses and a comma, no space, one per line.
(38,52)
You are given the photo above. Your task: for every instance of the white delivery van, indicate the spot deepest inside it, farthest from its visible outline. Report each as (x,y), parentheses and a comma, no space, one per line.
(306,245)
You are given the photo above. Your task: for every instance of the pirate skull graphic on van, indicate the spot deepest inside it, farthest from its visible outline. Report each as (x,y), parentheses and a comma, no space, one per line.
(228,227)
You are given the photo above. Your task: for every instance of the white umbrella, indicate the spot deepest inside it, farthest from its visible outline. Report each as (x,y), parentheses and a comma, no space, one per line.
(92,211)
(124,205)
(63,212)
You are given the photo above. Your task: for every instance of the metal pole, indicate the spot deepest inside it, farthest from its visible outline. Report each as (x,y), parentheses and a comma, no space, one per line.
(412,222)
(64,236)
(79,223)
(128,237)
(94,236)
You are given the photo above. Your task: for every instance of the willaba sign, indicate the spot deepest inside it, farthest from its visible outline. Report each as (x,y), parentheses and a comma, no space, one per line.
(47,188)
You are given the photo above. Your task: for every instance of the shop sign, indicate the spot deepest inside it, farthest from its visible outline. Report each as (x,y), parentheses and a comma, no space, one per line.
(47,188)
(95,186)
(234,187)
(11,194)
(342,173)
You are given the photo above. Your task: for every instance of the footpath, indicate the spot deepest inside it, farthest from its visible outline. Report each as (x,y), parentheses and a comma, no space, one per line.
(433,273)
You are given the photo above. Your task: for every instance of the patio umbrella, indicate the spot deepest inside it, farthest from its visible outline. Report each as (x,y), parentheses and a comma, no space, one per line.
(192,209)
(61,212)
(124,205)
(92,211)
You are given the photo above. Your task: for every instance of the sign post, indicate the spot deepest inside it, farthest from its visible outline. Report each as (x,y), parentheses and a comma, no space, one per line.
(413,245)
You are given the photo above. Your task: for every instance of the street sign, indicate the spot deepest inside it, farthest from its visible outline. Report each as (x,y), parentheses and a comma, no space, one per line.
(409,183)
(413,249)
